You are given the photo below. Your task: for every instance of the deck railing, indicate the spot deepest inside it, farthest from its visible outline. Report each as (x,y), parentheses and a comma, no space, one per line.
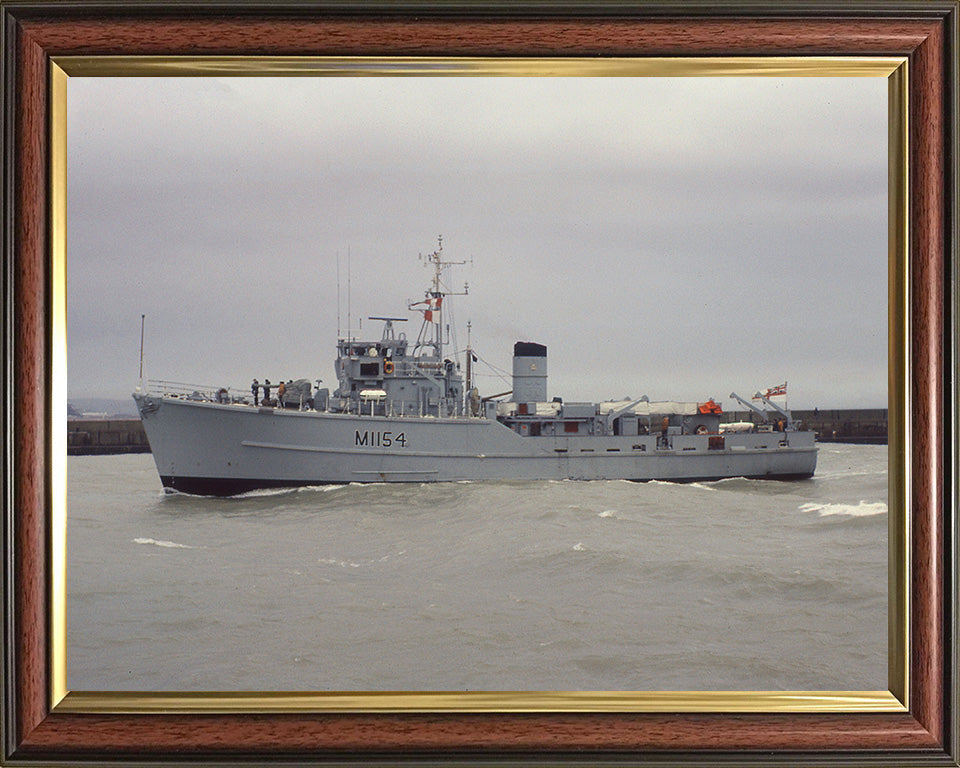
(213,394)
(200,392)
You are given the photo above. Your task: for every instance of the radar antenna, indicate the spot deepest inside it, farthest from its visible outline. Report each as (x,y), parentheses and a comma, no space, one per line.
(388,326)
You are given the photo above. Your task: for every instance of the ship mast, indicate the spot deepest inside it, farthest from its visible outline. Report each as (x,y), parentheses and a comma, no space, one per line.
(433,336)
(469,384)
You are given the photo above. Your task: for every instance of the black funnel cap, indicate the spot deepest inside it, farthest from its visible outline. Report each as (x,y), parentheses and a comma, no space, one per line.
(529,349)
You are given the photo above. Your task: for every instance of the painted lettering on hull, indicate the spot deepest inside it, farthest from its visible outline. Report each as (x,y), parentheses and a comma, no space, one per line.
(375,438)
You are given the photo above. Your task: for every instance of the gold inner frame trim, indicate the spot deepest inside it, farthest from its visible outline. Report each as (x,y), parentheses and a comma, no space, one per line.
(431,66)
(899,429)
(490,701)
(57,428)
(893,700)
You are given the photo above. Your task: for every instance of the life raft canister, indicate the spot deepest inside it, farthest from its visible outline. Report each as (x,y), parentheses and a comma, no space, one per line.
(388,366)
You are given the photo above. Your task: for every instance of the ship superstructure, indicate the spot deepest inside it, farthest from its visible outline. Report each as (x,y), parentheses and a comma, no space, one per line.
(393,376)
(402,413)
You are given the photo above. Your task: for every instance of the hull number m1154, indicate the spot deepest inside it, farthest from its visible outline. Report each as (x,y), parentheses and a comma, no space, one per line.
(380,439)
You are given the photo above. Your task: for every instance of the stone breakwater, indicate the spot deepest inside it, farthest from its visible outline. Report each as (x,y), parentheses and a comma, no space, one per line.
(90,437)
(850,425)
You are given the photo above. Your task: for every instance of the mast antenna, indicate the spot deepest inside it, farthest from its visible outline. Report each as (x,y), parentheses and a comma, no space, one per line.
(142,322)
(338,295)
(469,386)
(349,322)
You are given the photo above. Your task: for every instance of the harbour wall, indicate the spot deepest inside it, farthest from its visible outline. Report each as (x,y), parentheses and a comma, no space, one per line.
(90,437)
(862,425)
(87,437)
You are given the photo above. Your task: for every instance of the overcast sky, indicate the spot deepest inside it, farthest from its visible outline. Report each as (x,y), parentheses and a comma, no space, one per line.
(679,238)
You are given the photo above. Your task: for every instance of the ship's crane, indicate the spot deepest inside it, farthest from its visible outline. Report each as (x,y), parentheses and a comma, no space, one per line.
(774,406)
(747,404)
(613,415)
(762,413)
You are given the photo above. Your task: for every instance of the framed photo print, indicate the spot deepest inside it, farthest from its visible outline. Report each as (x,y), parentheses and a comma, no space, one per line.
(429,315)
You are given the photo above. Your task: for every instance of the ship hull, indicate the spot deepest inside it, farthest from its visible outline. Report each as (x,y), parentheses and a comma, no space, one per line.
(216,449)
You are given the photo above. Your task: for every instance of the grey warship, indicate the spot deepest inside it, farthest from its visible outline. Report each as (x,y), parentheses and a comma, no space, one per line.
(402,412)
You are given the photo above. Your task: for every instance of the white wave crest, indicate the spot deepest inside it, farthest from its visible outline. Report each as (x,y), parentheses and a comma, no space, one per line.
(320,488)
(608,513)
(167,544)
(578,547)
(259,493)
(863,509)
(341,563)
(702,487)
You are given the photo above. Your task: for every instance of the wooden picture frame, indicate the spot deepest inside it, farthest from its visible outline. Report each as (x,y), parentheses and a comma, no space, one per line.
(36,731)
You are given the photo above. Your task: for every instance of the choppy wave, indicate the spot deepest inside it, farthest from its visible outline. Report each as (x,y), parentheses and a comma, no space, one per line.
(259,493)
(760,580)
(353,564)
(863,509)
(264,493)
(161,543)
(763,586)
(851,473)
(702,487)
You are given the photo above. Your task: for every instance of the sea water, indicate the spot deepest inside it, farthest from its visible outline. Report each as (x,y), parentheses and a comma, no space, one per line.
(609,585)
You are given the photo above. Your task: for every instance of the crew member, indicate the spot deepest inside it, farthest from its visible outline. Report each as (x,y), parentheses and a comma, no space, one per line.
(266,391)
(280,390)
(255,388)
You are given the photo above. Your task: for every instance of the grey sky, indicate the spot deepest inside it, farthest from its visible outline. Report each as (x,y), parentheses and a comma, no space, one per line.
(679,238)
